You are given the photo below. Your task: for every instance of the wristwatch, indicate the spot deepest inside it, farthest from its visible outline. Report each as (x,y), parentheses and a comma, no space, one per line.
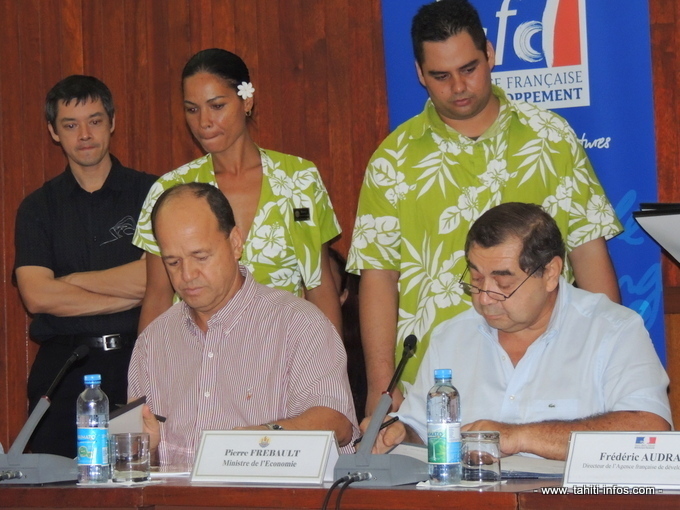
(273,426)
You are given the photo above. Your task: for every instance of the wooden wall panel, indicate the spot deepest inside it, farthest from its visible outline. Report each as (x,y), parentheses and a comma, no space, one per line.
(13,345)
(313,84)
(30,142)
(291,62)
(341,91)
(14,358)
(665,34)
(179,43)
(672,324)
(276,81)
(156,102)
(317,66)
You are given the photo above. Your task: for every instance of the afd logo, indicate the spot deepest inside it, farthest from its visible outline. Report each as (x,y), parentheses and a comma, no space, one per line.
(541,50)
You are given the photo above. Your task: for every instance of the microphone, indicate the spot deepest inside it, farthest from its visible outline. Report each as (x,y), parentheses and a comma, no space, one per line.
(385,470)
(385,401)
(36,468)
(80,352)
(409,351)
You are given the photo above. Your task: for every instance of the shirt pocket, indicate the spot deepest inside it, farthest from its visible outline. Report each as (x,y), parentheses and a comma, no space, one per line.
(553,409)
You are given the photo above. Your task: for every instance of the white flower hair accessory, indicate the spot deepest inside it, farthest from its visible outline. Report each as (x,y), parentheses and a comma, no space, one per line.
(245,90)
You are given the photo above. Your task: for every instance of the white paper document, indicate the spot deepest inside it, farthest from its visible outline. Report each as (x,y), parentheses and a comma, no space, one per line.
(520,466)
(662,222)
(128,418)
(514,466)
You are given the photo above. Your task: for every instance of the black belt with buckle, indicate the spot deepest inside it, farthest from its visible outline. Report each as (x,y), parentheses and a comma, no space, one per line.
(105,342)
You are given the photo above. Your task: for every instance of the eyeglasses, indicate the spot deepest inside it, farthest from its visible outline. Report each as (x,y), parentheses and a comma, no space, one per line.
(498,296)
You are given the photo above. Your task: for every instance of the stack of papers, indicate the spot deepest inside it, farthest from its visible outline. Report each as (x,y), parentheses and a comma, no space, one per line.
(520,466)
(514,466)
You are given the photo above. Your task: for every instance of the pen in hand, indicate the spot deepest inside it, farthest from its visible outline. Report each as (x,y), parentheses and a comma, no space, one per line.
(384,425)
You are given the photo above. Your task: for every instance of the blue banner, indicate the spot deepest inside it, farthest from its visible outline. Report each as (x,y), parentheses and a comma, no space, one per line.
(590,61)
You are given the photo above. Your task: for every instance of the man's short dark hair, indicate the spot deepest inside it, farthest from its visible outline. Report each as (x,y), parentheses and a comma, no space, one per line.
(536,229)
(80,89)
(438,21)
(218,203)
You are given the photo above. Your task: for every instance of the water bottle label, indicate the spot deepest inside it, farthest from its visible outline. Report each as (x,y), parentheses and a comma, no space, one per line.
(93,446)
(443,443)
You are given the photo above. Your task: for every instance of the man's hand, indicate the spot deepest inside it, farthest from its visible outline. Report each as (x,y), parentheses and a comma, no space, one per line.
(550,439)
(153,428)
(511,435)
(388,437)
(315,418)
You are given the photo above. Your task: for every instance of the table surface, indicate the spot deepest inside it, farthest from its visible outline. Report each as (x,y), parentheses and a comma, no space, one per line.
(179,493)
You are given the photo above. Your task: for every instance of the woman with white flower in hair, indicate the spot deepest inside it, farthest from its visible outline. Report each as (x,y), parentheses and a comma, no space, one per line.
(280,203)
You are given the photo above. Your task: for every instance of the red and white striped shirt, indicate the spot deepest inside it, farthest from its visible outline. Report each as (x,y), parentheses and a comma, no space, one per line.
(267,356)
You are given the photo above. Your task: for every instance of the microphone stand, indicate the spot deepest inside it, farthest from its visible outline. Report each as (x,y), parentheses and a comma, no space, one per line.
(389,469)
(38,468)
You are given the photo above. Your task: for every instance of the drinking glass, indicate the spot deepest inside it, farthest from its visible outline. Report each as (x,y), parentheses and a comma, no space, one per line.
(480,456)
(130,457)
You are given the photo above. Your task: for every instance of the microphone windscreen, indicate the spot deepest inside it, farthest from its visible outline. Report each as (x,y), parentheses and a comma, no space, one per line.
(410,343)
(81,351)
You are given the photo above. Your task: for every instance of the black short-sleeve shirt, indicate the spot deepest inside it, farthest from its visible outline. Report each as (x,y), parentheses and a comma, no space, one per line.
(67,229)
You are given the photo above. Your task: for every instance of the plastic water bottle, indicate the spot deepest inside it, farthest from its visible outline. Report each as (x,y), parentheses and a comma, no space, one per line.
(92,412)
(443,430)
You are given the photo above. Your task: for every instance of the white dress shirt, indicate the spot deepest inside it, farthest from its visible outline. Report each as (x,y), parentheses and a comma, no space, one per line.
(595,357)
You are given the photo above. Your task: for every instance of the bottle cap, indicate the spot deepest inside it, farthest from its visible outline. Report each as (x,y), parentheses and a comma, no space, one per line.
(93,379)
(442,373)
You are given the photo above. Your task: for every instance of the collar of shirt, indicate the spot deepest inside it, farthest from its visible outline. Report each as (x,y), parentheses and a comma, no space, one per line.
(226,317)
(429,121)
(115,181)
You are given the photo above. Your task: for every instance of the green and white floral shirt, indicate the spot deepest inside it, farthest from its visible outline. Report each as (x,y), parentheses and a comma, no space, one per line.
(426,184)
(280,252)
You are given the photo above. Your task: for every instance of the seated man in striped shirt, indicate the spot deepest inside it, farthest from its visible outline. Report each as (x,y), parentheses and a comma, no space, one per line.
(233,353)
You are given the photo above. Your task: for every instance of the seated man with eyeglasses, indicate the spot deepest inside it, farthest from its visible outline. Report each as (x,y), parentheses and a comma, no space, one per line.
(536,358)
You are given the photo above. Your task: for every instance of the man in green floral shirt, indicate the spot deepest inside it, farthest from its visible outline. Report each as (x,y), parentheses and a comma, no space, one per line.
(469,150)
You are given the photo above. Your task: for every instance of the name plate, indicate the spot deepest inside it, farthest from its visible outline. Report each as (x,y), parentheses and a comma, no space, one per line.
(627,459)
(269,457)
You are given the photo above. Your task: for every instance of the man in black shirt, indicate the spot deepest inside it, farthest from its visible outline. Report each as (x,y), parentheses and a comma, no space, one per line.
(77,271)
